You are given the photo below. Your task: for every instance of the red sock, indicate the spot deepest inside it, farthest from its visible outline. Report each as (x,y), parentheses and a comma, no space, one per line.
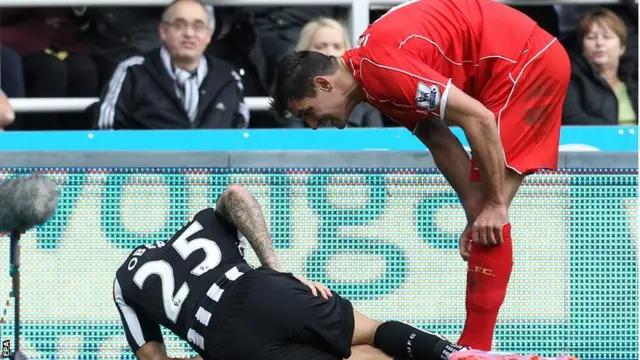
(488,272)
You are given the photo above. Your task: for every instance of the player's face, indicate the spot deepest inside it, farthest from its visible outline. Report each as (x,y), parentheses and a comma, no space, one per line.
(328,108)
(602,46)
(186,32)
(328,41)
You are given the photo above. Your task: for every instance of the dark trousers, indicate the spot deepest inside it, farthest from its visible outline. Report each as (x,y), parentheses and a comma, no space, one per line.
(48,76)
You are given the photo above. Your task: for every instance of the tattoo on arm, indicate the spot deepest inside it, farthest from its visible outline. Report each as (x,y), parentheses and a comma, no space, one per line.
(240,208)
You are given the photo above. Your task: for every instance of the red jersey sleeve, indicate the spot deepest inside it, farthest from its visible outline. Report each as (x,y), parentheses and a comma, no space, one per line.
(409,89)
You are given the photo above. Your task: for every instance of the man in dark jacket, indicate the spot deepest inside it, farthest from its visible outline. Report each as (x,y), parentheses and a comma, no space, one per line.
(175,86)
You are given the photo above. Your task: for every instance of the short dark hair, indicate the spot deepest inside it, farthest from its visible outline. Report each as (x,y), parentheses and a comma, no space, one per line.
(167,11)
(294,77)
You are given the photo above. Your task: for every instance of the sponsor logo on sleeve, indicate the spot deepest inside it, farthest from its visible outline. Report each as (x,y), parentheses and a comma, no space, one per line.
(428,96)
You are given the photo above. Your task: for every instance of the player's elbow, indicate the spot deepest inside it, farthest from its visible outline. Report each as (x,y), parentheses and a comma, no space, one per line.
(234,194)
(235,191)
(487,119)
(468,113)
(480,124)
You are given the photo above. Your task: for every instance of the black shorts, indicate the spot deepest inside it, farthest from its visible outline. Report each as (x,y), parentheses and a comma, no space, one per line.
(270,315)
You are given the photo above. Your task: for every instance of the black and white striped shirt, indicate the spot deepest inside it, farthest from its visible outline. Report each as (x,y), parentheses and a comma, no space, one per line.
(177,284)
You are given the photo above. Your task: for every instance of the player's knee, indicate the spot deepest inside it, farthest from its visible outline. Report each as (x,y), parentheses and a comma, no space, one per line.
(367,352)
(364,329)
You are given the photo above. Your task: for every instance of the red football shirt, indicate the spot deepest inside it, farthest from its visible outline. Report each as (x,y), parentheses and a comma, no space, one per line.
(407,59)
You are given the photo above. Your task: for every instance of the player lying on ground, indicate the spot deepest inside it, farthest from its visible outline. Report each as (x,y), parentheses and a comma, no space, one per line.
(199,286)
(477,64)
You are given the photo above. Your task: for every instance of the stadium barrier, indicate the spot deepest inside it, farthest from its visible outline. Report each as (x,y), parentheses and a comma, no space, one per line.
(379,227)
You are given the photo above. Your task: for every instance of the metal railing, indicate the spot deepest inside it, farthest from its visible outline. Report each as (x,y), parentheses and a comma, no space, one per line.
(41,105)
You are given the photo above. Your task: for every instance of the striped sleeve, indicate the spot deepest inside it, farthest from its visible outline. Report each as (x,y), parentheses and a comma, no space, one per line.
(138,329)
(113,109)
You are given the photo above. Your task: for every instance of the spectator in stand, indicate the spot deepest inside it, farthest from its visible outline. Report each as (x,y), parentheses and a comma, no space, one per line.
(11,80)
(569,16)
(278,29)
(6,112)
(329,37)
(175,86)
(55,62)
(600,92)
(254,39)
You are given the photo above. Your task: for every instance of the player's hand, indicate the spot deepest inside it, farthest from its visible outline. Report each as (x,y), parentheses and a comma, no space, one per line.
(316,288)
(465,243)
(487,229)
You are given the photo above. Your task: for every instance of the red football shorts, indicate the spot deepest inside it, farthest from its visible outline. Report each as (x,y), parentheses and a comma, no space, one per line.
(527,99)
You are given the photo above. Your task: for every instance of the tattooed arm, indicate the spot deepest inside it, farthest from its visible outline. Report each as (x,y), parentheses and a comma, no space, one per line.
(240,208)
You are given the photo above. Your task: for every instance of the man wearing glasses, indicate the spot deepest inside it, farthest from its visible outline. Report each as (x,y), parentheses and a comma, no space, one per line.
(176,86)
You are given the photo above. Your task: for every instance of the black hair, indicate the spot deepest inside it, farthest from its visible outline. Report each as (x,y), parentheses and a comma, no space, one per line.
(294,77)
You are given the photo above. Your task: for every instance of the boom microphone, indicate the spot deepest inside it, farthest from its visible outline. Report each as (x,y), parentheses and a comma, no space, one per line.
(26,202)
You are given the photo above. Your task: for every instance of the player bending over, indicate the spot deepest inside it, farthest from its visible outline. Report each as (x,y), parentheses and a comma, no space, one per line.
(477,64)
(199,286)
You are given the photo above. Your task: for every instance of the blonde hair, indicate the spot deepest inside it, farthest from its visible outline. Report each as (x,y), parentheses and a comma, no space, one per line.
(306,35)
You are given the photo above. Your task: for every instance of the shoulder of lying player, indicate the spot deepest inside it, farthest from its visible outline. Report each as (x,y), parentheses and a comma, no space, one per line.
(207,219)
(206,213)
(210,216)
(204,217)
